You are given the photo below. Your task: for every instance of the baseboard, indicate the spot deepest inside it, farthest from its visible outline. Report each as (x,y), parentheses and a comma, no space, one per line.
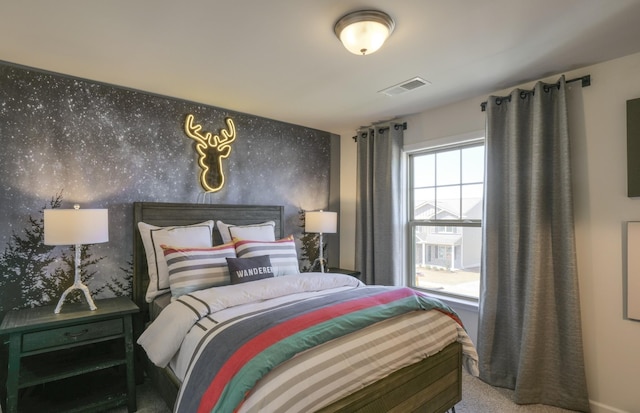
(603,408)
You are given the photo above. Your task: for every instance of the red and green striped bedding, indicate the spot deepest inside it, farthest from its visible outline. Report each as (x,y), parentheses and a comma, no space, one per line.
(240,351)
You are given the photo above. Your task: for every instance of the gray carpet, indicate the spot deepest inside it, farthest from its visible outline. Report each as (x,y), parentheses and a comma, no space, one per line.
(477,397)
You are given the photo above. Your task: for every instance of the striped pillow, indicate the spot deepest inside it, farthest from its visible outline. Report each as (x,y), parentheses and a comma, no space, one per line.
(192,269)
(282,253)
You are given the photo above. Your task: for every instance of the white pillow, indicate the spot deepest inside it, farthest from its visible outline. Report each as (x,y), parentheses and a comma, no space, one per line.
(196,235)
(264,231)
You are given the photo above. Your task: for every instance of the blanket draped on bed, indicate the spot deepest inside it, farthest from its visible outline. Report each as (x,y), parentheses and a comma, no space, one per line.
(240,352)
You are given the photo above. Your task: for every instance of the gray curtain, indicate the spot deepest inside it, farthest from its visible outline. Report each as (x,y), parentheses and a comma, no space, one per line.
(378,204)
(529,336)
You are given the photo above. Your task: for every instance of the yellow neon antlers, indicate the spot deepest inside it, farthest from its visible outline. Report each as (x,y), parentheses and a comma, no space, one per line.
(212,150)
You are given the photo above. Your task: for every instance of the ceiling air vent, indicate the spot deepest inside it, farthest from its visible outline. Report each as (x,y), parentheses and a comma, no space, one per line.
(406,86)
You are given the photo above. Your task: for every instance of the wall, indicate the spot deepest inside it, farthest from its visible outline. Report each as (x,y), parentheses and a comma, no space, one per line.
(601,208)
(347,199)
(67,140)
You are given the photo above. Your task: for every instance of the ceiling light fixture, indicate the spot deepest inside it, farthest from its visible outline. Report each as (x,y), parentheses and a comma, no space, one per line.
(365,31)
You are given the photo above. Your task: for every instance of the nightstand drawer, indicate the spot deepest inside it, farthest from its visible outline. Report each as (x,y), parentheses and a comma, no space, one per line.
(72,334)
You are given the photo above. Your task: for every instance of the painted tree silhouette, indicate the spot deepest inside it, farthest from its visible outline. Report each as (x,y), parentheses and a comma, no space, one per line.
(24,263)
(120,286)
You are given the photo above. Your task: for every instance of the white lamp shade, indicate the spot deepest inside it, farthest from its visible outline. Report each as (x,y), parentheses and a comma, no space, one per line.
(76,226)
(321,222)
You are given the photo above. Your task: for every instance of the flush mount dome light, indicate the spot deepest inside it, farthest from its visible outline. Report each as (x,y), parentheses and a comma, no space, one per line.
(365,31)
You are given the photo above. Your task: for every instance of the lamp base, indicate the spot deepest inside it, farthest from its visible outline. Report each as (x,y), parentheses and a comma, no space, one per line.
(320,253)
(319,263)
(76,286)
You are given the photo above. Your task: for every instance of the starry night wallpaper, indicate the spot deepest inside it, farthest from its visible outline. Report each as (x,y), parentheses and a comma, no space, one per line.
(67,141)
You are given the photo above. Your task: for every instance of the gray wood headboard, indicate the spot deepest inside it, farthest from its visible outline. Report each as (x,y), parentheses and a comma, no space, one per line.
(166,214)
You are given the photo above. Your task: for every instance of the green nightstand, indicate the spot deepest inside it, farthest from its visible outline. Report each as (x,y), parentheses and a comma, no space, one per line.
(79,360)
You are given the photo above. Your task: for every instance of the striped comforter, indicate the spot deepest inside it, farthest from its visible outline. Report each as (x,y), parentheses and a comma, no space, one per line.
(320,343)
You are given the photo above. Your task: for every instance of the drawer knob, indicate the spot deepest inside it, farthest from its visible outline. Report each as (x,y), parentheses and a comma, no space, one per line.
(76,335)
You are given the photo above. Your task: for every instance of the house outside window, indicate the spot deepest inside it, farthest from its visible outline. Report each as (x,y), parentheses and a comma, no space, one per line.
(445,218)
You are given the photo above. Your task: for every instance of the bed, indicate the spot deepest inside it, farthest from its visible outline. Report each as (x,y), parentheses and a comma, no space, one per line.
(432,384)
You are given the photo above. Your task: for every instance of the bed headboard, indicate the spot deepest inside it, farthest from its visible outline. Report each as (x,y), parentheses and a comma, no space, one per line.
(166,214)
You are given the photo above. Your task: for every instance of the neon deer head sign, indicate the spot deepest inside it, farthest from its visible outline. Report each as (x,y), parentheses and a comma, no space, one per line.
(212,150)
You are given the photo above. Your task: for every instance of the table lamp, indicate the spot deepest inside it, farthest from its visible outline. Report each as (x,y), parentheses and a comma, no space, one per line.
(76,227)
(321,222)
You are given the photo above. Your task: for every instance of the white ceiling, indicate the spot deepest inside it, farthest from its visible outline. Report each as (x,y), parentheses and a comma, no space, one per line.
(280,58)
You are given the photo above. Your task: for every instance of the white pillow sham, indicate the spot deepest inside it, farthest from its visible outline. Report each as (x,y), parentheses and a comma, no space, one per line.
(264,231)
(196,235)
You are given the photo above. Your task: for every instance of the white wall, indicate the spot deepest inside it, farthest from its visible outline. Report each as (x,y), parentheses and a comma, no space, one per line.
(347,228)
(612,343)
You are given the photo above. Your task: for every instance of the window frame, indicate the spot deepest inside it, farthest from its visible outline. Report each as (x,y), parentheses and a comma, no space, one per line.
(476,139)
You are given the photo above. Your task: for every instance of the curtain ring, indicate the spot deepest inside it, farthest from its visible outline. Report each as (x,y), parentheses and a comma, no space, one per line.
(498,101)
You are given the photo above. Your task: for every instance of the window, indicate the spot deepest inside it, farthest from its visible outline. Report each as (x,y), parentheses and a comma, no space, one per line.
(445,218)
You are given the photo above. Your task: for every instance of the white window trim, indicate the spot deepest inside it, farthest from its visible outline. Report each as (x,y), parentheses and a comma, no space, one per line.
(469,137)
(460,139)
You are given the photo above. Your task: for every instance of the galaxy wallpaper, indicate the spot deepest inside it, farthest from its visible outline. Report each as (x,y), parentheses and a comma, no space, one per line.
(66,141)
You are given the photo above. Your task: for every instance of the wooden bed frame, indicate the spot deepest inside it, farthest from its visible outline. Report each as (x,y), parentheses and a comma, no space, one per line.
(433,385)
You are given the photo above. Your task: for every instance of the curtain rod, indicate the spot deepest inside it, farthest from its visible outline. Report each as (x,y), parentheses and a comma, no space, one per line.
(380,130)
(586,81)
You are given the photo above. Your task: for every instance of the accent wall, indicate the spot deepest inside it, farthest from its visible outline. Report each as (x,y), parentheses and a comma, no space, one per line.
(66,141)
